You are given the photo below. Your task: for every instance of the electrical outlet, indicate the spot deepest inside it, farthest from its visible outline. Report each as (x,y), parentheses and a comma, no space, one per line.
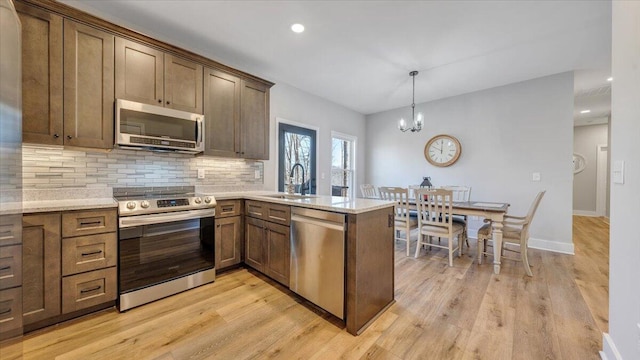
(200,173)
(322,176)
(535,176)
(256,174)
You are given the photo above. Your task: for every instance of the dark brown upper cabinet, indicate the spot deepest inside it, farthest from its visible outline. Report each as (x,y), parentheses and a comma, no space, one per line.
(254,120)
(236,116)
(66,99)
(88,92)
(147,75)
(222,114)
(41,76)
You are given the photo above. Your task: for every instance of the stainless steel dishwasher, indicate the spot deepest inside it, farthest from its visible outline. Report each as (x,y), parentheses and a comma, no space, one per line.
(317,258)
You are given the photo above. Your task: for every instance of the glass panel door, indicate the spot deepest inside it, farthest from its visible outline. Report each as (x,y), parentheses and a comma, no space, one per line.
(297,145)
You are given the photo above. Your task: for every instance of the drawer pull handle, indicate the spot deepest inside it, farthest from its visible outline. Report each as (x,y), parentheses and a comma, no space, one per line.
(84,291)
(227,209)
(277,218)
(6,234)
(5,268)
(5,311)
(90,223)
(92,253)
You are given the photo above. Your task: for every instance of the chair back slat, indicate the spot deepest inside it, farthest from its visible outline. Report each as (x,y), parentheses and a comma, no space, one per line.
(460,193)
(368,191)
(435,207)
(400,196)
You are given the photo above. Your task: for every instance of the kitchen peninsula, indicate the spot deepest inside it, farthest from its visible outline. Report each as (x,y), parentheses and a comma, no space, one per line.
(369,248)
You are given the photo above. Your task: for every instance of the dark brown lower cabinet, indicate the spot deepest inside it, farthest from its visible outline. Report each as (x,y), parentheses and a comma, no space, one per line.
(254,240)
(268,248)
(41,267)
(229,235)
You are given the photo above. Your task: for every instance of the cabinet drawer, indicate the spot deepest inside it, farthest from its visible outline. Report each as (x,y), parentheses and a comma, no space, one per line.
(254,209)
(10,266)
(88,222)
(10,229)
(277,213)
(10,312)
(88,289)
(86,253)
(226,208)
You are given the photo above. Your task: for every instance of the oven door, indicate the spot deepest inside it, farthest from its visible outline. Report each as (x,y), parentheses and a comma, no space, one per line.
(161,247)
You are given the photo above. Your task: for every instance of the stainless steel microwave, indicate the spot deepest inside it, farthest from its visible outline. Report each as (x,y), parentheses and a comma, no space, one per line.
(157,128)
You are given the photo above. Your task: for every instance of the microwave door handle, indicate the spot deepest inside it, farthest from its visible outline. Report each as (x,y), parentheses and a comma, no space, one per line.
(199,130)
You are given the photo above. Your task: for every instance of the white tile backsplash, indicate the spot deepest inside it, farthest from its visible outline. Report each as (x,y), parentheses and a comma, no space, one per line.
(47,167)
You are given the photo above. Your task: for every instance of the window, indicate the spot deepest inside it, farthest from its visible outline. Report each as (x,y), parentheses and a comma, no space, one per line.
(342,164)
(297,145)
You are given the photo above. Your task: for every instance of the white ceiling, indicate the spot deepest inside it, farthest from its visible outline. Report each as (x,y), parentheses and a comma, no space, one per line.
(359,53)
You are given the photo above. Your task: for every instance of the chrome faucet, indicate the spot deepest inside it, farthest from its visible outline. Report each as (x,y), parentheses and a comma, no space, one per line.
(291,176)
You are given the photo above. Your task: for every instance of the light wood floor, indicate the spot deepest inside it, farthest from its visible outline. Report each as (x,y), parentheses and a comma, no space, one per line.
(463,312)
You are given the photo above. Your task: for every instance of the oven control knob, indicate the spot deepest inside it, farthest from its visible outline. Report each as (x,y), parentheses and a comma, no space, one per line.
(144,204)
(207,199)
(197,200)
(131,205)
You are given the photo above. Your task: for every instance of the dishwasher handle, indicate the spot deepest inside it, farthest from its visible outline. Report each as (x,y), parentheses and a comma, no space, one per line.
(318,222)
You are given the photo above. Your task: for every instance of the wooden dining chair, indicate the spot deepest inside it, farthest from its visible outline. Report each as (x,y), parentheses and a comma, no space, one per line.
(515,231)
(368,191)
(435,208)
(403,220)
(461,194)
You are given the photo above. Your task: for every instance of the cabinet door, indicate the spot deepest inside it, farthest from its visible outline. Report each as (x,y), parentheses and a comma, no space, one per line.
(139,73)
(228,242)
(255,243)
(88,86)
(254,120)
(182,84)
(278,252)
(41,267)
(41,76)
(221,114)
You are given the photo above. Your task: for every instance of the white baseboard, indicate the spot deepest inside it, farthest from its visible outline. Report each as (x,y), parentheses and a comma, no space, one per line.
(541,244)
(609,350)
(554,246)
(585,213)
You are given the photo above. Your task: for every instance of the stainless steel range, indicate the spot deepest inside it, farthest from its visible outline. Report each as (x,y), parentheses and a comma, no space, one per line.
(165,242)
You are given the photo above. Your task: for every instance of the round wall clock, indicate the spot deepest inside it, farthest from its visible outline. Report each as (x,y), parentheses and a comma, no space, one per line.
(442,150)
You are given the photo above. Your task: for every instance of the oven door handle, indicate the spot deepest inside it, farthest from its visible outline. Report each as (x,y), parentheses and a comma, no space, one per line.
(141,220)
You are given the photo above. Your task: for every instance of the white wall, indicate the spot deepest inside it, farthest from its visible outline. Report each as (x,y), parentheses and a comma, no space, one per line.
(290,103)
(585,142)
(624,264)
(506,134)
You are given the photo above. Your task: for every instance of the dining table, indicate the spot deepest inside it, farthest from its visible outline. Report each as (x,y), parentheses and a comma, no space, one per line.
(493,211)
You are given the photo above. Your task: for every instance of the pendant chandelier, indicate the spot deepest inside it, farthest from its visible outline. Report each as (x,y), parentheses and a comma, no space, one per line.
(418,120)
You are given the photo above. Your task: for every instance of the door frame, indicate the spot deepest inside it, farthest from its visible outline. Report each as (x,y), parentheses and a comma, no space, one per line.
(602,151)
(280,120)
(354,144)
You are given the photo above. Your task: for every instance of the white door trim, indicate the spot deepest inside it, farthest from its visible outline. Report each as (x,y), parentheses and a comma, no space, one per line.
(601,179)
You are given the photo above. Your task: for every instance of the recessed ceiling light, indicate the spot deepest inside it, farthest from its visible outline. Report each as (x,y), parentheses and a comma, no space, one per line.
(585,111)
(610,79)
(297,28)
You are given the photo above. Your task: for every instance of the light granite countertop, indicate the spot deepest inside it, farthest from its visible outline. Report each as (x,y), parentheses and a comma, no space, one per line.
(319,202)
(65,205)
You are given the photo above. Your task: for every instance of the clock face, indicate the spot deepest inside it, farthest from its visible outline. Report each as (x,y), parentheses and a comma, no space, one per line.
(442,150)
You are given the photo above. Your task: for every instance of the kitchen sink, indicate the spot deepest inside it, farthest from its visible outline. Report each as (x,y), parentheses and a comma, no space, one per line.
(290,196)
